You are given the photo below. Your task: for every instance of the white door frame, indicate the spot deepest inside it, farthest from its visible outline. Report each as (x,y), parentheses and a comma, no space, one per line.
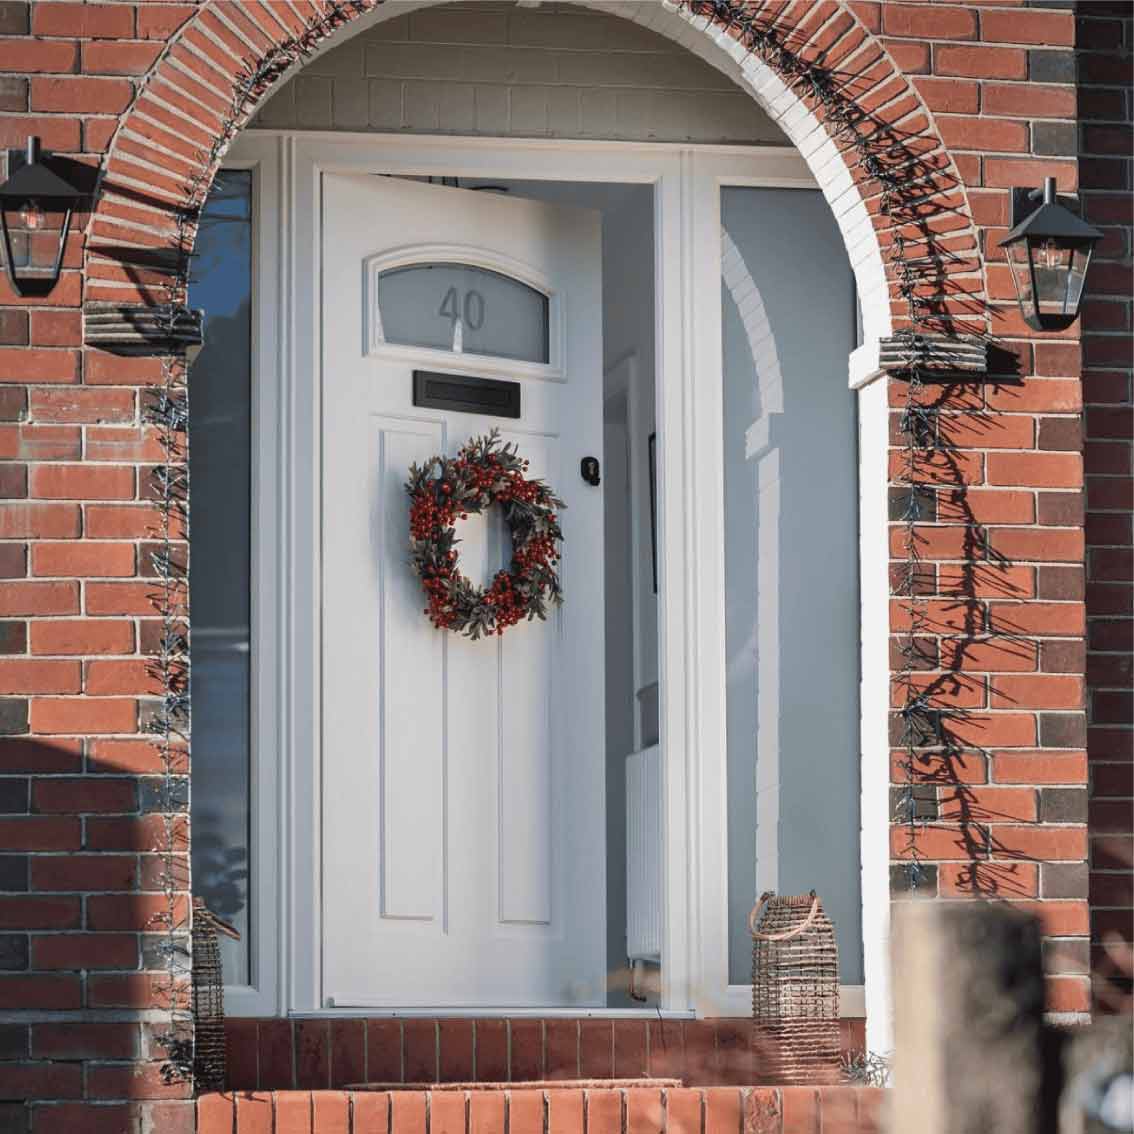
(285,877)
(270,614)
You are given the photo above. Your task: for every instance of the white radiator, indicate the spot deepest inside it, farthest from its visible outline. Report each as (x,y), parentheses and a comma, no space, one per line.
(644,855)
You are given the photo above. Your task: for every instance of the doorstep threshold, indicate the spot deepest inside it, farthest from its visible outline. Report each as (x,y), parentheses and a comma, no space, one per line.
(440,1011)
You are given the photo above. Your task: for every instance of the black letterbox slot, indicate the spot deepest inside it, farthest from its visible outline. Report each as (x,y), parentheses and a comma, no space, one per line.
(465,393)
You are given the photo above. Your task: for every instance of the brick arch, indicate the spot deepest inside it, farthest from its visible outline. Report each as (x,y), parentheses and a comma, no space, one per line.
(196,98)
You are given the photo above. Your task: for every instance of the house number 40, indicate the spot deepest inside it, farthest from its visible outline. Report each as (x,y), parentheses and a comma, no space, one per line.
(471,309)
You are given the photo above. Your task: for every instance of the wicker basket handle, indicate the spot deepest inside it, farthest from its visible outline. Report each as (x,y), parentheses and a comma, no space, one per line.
(200,910)
(754,915)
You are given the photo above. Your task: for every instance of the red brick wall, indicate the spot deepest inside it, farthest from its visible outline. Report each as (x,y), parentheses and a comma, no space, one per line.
(275,1055)
(995,82)
(720,1110)
(1106,81)
(78,872)
(1006,820)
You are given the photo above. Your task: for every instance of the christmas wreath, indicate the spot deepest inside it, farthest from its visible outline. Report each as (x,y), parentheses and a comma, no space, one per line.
(443,490)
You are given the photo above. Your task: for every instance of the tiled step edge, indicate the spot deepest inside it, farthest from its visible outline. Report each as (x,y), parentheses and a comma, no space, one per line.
(714,1110)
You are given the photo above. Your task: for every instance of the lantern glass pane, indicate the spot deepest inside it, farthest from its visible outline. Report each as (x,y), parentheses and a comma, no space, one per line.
(1021,265)
(1051,263)
(34,229)
(464,309)
(1080,258)
(790,553)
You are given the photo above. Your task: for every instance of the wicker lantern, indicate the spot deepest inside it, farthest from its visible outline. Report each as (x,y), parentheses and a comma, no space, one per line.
(209,1055)
(795,989)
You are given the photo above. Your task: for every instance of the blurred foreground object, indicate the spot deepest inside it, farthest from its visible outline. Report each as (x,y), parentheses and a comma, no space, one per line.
(973,1055)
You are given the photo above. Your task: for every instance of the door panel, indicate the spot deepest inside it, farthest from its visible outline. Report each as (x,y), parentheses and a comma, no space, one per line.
(412,749)
(462,782)
(527,836)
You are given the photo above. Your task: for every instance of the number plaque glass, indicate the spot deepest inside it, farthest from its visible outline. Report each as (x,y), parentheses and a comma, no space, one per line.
(464,309)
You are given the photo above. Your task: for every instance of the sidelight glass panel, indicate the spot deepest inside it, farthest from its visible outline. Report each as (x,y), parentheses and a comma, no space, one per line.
(464,309)
(220,452)
(791,556)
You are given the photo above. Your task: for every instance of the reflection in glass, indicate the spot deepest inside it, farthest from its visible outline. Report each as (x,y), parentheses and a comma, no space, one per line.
(463,309)
(791,555)
(220,441)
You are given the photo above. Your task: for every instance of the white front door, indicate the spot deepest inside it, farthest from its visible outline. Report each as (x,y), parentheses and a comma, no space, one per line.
(462,782)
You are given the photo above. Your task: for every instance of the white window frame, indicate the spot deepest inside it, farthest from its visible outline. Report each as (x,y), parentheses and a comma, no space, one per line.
(261,996)
(285,877)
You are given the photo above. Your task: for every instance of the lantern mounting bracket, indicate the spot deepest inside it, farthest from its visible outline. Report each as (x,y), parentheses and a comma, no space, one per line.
(1025,201)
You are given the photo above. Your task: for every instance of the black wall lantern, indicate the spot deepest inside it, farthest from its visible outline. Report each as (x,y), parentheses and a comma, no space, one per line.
(1049,250)
(35,216)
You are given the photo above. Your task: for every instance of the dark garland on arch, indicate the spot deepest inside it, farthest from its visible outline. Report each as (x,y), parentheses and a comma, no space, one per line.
(908,190)
(167,410)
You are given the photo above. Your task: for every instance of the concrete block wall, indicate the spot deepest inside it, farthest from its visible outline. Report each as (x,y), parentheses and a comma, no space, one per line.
(555,71)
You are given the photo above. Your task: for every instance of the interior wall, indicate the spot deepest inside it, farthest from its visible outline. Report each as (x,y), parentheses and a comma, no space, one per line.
(628,354)
(630,623)
(619,655)
(493,68)
(629,316)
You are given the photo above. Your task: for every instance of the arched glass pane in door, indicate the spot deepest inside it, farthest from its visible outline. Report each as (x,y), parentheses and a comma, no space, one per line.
(462,308)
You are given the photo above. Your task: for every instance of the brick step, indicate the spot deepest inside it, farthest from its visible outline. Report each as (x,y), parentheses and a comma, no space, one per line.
(716,1110)
(284,1055)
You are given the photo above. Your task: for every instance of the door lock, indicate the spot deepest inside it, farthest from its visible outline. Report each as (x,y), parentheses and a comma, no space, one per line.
(589,470)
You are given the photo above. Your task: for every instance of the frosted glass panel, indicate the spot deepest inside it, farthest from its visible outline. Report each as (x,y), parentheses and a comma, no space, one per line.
(220,437)
(791,553)
(464,309)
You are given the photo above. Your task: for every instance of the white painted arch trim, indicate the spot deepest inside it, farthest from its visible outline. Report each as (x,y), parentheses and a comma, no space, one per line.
(769,380)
